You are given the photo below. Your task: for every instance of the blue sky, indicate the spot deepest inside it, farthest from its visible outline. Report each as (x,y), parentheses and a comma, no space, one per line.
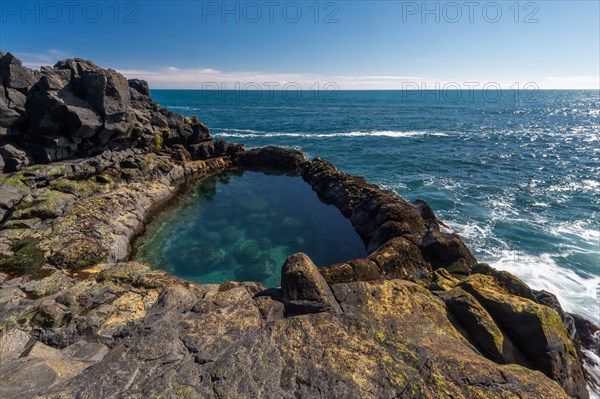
(355,44)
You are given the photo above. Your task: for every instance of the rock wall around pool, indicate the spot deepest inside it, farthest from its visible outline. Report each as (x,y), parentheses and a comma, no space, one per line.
(418,317)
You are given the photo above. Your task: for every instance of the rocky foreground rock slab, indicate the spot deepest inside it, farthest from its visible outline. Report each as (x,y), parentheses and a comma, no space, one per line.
(419,317)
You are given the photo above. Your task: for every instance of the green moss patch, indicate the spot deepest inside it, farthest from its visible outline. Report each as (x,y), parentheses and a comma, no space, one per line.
(27,258)
(80,188)
(13,181)
(104,179)
(158,141)
(80,254)
(48,205)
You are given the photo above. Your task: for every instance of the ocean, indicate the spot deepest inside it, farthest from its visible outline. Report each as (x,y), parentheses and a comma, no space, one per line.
(515,173)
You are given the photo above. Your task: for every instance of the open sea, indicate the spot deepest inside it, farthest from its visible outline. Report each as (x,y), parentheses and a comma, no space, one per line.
(516,174)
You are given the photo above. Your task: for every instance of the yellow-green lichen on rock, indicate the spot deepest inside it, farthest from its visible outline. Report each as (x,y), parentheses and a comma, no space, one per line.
(481,329)
(537,331)
(442,280)
(49,204)
(79,188)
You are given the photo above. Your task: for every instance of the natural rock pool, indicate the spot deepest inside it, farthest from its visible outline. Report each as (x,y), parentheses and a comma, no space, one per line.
(242,227)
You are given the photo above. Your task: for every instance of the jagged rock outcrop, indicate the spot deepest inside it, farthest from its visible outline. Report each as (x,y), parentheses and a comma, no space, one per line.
(90,157)
(77,109)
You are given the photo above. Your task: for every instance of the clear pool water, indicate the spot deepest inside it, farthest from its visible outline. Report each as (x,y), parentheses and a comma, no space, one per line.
(242,227)
(517,175)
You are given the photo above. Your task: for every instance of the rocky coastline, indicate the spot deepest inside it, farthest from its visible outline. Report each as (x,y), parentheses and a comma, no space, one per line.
(88,157)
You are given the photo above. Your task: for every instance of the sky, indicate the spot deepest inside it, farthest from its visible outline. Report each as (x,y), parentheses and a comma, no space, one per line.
(350,44)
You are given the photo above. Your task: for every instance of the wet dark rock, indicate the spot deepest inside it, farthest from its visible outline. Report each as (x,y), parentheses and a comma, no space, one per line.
(275,158)
(211,149)
(386,232)
(448,251)
(426,212)
(588,333)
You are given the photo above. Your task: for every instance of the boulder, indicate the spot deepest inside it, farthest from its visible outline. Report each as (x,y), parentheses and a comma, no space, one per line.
(140,86)
(16,100)
(11,192)
(61,113)
(536,330)
(588,333)
(79,120)
(200,133)
(272,157)
(442,280)
(54,79)
(14,158)
(448,251)
(93,109)
(14,74)
(386,232)
(400,258)
(426,212)
(88,351)
(202,151)
(8,117)
(481,328)
(549,299)
(13,343)
(304,290)
(76,66)
(106,90)
(47,148)
(509,282)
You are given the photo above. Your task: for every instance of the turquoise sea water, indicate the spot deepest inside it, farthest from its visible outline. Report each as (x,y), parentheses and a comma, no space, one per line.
(517,174)
(242,227)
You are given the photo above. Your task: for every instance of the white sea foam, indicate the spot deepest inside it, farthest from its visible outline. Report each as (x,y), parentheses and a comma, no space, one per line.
(580,229)
(374,133)
(576,292)
(592,366)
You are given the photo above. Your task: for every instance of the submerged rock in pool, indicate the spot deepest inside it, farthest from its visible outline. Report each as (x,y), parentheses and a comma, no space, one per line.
(258,270)
(255,203)
(213,236)
(218,223)
(291,222)
(230,234)
(259,240)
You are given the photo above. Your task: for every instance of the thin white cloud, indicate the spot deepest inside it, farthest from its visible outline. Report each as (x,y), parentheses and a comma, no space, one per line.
(209,78)
(36,60)
(572,82)
(174,77)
